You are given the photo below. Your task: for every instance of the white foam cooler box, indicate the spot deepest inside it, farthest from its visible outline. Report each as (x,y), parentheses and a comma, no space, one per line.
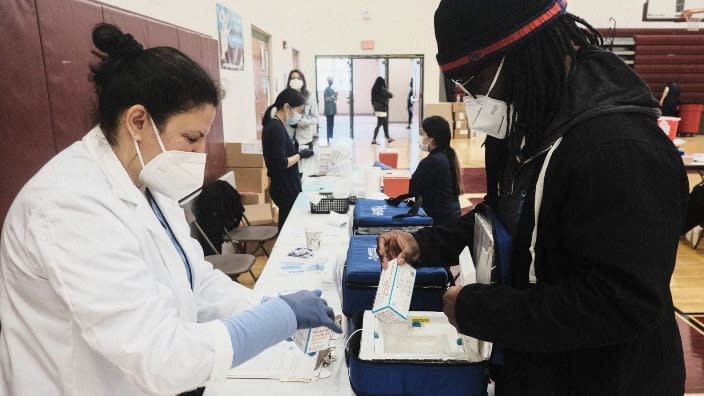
(362,273)
(421,356)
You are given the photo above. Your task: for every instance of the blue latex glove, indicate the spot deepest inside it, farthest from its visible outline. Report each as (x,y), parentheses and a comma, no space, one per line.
(311,310)
(258,328)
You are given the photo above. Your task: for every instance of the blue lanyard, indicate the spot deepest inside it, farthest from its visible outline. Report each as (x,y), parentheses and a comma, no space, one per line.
(165,224)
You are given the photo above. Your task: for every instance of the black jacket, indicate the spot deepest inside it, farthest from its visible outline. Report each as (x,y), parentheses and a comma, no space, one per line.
(285,181)
(217,207)
(380,100)
(433,181)
(600,319)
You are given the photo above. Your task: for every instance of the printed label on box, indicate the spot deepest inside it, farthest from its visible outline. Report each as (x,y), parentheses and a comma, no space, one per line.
(312,340)
(393,296)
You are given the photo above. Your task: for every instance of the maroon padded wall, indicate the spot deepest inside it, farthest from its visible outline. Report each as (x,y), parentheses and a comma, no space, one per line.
(663,55)
(65,27)
(661,58)
(48,100)
(26,128)
(216,140)
(134,24)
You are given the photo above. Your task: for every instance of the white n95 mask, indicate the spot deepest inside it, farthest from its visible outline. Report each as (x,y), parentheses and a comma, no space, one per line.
(172,173)
(485,114)
(296,83)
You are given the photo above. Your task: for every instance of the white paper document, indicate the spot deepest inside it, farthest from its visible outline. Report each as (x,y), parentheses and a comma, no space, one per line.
(284,361)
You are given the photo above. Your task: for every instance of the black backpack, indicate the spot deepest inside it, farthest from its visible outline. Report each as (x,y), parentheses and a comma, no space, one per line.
(218,208)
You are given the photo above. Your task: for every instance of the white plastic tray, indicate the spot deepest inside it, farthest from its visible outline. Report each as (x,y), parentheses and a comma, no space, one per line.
(434,340)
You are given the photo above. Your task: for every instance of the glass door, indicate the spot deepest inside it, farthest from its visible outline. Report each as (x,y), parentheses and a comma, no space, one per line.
(339,70)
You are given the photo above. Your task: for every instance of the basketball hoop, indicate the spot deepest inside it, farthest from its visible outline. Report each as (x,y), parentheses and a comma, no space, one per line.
(693,17)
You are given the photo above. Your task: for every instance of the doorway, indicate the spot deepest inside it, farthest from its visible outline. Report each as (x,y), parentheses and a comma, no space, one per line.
(260,66)
(353,77)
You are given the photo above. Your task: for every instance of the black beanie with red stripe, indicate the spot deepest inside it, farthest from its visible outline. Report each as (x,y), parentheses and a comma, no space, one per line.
(470,33)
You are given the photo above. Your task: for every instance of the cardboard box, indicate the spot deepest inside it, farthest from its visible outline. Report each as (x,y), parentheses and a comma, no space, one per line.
(457,107)
(250,179)
(393,296)
(252,198)
(244,155)
(460,116)
(259,214)
(461,124)
(274,214)
(461,134)
(443,109)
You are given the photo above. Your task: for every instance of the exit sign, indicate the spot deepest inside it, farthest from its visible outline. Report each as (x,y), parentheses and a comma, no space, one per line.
(367,44)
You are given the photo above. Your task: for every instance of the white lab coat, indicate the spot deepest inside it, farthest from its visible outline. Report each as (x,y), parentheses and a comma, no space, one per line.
(94,298)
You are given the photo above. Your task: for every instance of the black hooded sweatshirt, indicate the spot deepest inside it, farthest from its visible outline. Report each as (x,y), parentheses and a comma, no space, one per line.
(600,319)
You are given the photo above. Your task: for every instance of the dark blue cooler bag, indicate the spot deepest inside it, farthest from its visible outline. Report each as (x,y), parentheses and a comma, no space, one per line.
(409,378)
(379,213)
(361,278)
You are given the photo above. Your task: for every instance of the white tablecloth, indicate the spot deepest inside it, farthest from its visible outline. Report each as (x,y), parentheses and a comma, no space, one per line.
(278,275)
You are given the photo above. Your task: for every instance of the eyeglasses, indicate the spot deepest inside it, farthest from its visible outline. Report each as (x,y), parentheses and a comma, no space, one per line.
(461,85)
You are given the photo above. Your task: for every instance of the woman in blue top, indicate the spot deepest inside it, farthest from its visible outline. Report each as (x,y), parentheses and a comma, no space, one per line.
(437,178)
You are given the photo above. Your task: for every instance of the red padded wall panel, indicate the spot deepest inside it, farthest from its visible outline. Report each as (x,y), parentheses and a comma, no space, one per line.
(674,56)
(25,116)
(129,23)
(216,142)
(161,35)
(190,44)
(65,27)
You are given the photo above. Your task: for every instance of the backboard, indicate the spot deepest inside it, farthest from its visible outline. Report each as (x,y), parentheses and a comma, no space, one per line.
(669,10)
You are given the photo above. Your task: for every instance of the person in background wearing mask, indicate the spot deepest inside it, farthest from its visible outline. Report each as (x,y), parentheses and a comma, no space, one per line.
(306,130)
(330,97)
(591,192)
(280,154)
(437,177)
(380,103)
(102,289)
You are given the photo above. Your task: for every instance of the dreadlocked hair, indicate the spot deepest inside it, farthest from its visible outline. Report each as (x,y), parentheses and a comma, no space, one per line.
(536,73)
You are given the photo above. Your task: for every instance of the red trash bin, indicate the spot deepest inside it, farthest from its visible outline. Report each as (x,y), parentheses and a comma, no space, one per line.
(669,126)
(691,115)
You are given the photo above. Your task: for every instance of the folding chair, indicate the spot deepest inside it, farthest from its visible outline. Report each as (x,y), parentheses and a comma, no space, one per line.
(232,264)
(251,233)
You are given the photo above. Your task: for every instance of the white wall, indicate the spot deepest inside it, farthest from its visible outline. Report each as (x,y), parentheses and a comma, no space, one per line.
(337,27)
(272,17)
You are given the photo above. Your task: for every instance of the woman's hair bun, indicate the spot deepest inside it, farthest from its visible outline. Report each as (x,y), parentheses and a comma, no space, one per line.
(110,40)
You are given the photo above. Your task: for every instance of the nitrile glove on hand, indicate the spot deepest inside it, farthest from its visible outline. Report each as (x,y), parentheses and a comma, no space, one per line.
(311,310)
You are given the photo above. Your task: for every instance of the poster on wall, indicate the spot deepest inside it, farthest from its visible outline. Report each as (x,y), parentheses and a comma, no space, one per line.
(230,38)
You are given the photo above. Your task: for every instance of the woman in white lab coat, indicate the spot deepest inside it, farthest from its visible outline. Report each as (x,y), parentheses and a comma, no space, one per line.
(102,290)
